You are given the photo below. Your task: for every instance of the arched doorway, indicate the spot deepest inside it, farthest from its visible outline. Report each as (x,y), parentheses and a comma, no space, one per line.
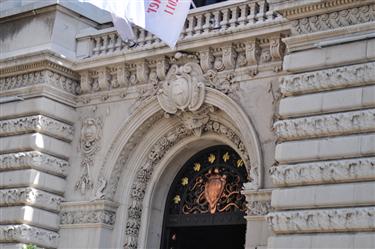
(205,208)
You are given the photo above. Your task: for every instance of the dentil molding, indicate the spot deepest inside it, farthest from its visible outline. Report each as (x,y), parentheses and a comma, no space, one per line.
(34,159)
(356,169)
(323,80)
(323,220)
(325,125)
(37,123)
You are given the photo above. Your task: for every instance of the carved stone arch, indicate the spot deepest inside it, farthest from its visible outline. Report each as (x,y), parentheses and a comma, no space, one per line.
(146,115)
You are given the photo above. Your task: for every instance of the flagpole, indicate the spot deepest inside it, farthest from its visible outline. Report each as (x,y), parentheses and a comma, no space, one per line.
(192,3)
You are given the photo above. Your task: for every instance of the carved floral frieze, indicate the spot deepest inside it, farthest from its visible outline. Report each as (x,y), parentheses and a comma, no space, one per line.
(323,220)
(90,138)
(34,159)
(38,123)
(334,20)
(29,234)
(328,79)
(358,169)
(87,217)
(42,77)
(30,196)
(325,125)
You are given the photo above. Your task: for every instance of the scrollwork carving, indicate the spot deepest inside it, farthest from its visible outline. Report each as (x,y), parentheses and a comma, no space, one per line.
(89,143)
(183,88)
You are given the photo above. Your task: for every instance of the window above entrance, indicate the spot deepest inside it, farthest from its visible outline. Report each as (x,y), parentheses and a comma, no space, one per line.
(200,3)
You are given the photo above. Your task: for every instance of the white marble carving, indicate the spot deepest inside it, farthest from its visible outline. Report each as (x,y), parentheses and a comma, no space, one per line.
(335,19)
(156,154)
(328,79)
(36,123)
(91,133)
(359,169)
(46,77)
(87,217)
(30,196)
(323,220)
(325,125)
(183,88)
(29,234)
(34,159)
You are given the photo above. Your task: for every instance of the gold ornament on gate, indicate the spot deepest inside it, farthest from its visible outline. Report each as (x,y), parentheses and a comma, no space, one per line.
(213,189)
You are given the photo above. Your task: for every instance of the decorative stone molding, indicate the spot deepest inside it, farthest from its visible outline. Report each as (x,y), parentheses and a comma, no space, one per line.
(323,220)
(30,196)
(333,20)
(28,234)
(91,132)
(183,89)
(144,174)
(328,79)
(42,77)
(36,123)
(359,169)
(227,84)
(99,212)
(258,202)
(34,159)
(195,121)
(343,123)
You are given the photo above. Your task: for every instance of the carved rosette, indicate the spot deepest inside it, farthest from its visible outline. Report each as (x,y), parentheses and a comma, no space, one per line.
(183,89)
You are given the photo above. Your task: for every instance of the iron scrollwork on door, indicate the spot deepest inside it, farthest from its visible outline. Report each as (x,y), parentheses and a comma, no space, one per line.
(209,184)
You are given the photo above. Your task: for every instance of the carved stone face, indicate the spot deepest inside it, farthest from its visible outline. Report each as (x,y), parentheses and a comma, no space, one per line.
(180,92)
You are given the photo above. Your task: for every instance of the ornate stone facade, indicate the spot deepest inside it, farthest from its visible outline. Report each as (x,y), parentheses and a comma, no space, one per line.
(92,128)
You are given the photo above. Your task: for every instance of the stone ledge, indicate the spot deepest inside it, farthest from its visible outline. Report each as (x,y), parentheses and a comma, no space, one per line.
(39,106)
(323,241)
(323,220)
(32,178)
(326,148)
(37,123)
(35,160)
(28,234)
(328,102)
(328,79)
(325,125)
(31,197)
(31,216)
(321,196)
(35,141)
(356,169)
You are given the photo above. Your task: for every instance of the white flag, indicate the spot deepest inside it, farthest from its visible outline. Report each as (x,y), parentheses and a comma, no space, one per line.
(163,18)
(117,8)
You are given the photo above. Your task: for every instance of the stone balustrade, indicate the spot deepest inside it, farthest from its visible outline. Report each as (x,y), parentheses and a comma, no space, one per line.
(223,18)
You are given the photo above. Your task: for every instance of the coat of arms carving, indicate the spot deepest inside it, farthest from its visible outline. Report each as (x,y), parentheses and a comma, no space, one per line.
(183,89)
